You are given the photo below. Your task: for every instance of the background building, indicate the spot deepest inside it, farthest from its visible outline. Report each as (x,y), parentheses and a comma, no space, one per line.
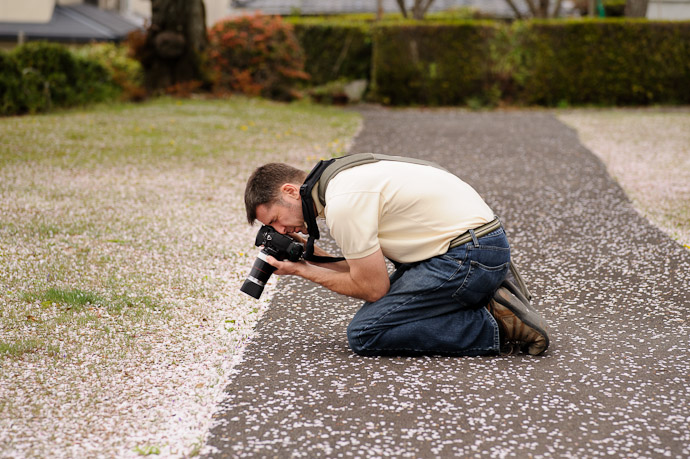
(111,20)
(64,21)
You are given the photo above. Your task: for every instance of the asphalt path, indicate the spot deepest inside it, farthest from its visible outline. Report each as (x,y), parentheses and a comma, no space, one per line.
(614,289)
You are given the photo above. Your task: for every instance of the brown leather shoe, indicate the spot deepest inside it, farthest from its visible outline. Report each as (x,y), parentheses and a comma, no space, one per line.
(518,323)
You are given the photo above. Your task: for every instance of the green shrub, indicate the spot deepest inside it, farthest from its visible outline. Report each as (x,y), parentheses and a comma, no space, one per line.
(605,62)
(52,76)
(125,71)
(256,55)
(10,85)
(340,47)
(45,69)
(334,50)
(93,83)
(433,64)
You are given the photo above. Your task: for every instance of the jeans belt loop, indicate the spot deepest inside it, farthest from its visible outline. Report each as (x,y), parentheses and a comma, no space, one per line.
(474,238)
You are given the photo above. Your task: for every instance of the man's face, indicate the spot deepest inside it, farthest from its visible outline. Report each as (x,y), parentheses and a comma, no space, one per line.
(284,215)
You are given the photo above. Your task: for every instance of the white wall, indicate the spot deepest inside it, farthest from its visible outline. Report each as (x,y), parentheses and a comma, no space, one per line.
(215,9)
(42,10)
(139,8)
(26,10)
(674,10)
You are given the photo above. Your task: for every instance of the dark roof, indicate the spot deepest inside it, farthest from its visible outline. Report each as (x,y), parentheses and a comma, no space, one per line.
(495,7)
(75,23)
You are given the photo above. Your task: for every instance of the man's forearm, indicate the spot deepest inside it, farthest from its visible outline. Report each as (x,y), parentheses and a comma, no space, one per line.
(341,281)
(339,266)
(365,278)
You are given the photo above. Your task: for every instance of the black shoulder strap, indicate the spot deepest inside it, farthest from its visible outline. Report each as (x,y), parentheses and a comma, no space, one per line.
(309,212)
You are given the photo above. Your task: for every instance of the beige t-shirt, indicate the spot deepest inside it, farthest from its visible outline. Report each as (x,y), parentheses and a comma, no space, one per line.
(410,211)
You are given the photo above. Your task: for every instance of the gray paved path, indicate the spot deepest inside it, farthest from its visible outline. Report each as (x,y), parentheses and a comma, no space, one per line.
(615,382)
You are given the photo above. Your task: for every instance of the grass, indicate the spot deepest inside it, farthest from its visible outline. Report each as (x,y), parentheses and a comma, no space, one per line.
(147,450)
(72,299)
(21,347)
(171,131)
(123,243)
(68,173)
(76,300)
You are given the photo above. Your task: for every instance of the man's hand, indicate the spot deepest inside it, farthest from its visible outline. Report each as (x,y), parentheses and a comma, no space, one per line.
(284,267)
(317,250)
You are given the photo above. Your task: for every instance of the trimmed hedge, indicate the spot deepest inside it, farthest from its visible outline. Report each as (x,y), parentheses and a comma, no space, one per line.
(607,62)
(10,85)
(544,62)
(434,64)
(334,51)
(39,76)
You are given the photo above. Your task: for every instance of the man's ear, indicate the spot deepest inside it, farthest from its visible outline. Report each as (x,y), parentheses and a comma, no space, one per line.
(291,190)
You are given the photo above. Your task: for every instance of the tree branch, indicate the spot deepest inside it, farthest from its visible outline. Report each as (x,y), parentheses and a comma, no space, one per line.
(532,7)
(517,12)
(426,7)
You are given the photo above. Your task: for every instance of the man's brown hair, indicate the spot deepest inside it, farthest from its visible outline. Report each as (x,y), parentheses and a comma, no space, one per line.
(263,186)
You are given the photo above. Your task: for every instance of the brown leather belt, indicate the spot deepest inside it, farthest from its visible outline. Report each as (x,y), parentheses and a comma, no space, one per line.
(480,231)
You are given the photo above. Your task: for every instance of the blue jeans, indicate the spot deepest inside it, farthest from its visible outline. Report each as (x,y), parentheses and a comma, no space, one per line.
(437,306)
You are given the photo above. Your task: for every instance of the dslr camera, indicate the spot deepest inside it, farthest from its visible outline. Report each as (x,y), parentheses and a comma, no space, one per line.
(279,246)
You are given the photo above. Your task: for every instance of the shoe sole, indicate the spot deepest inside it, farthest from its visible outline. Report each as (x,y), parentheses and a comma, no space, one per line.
(526,314)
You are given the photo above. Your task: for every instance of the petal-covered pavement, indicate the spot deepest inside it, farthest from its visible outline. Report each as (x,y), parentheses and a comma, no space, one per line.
(614,289)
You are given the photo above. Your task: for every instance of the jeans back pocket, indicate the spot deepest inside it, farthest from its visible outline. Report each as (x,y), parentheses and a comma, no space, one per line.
(479,283)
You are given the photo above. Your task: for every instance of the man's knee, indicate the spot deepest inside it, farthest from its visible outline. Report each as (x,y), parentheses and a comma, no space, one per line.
(354,339)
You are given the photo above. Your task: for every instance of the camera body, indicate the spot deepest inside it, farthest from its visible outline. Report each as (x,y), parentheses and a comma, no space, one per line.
(280,247)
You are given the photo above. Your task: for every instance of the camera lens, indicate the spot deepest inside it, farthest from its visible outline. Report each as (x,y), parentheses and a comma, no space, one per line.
(258,276)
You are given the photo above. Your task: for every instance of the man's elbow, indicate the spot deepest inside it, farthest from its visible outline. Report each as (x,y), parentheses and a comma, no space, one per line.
(376,293)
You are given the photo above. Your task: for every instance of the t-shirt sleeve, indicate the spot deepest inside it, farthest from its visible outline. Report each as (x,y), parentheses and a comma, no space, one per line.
(353,220)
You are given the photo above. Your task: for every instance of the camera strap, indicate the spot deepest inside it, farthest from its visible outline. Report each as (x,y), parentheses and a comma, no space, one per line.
(309,211)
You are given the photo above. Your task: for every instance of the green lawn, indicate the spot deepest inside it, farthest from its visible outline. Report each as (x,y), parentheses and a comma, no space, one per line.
(123,243)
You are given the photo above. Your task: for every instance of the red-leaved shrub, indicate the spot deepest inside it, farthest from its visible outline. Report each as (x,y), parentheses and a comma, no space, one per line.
(256,55)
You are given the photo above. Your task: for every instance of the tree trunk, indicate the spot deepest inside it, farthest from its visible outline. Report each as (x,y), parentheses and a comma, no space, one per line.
(636,8)
(401,4)
(174,43)
(379,10)
(420,8)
